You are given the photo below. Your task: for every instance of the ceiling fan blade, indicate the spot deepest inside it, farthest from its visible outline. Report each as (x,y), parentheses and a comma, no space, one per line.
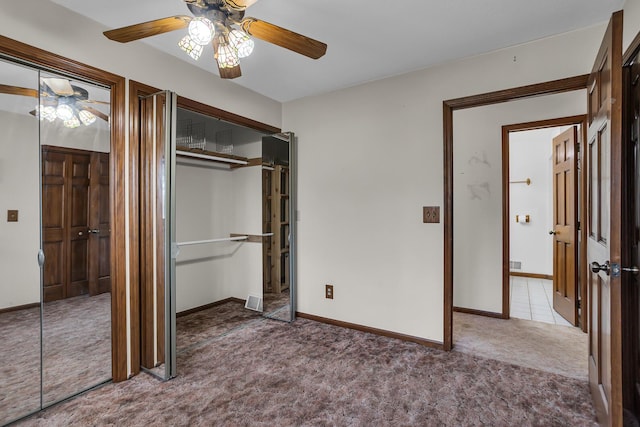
(148,29)
(60,87)
(97,113)
(92,101)
(239,4)
(284,38)
(15,90)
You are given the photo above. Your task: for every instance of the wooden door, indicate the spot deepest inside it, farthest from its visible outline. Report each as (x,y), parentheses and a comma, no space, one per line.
(99,227)
(75,222)
(604,224)
(631,243)
(77,211)
(53,225)
(565,252)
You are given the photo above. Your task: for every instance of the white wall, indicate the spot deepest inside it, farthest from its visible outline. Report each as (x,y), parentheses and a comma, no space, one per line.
(530,157)
(631,22)
(370,157)
(19,187)
(213,201)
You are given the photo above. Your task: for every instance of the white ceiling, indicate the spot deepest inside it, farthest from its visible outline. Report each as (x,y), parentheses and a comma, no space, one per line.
(368,40)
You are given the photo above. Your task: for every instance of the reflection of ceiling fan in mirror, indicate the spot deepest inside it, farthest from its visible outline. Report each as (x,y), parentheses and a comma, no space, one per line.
(214,22)
(60,100)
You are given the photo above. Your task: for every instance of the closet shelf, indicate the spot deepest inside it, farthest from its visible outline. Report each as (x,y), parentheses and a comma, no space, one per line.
(211,156)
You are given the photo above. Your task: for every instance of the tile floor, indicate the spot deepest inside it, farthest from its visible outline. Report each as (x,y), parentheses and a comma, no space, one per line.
(532,299)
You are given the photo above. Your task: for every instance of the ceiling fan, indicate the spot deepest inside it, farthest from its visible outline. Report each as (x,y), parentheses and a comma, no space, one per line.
(61,100)
(215,22)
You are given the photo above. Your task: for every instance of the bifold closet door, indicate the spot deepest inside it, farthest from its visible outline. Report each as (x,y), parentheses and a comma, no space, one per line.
(75,141)
(20,323)
(157,184)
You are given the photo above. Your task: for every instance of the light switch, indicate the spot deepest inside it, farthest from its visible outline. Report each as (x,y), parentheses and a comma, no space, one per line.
(12,215)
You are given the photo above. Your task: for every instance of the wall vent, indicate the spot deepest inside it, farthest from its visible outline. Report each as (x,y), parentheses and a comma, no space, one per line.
(515,265)
(254,302)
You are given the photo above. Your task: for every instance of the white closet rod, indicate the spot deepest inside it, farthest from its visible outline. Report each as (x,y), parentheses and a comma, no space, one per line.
(202,242)
(209,157)
(224,239)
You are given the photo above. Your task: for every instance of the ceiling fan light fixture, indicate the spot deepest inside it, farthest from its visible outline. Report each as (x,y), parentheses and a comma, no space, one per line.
(64,112)
(201,30)
(227,55)
(72,123)
(242,42)
(192,48)
(86,117)
(47,112)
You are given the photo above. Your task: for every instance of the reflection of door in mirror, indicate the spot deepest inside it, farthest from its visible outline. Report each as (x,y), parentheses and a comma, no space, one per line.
(19,243)
(76,311)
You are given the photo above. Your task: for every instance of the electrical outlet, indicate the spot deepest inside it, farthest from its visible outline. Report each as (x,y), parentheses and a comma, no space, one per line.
(431,214)
(328,291)
(12,215)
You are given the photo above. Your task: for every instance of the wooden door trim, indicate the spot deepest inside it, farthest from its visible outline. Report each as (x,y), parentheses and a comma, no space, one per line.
(448,107)
(581,120)
(119,241)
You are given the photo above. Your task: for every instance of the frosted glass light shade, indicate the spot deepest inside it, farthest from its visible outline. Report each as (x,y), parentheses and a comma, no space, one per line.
(64,112)
(192,48)
(201,30)
(242,42)
(73,122)
(86,117)
(227,56)
(48,113)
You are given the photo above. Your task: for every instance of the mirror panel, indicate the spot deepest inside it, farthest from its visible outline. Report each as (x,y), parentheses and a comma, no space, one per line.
(75,139)
(19,243)
(278,183)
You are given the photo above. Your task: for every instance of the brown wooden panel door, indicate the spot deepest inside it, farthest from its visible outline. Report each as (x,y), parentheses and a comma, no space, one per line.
(53,225)
(565,267)
(99,226)
(78,213)
(604,224)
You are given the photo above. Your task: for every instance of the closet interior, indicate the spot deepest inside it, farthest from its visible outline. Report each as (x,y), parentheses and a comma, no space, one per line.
(225,190)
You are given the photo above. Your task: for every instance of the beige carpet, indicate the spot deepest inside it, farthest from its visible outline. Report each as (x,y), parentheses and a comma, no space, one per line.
(551,348)
(272,373)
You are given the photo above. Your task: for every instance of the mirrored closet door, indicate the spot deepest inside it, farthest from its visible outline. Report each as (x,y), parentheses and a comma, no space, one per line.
(20,326)
(55,301)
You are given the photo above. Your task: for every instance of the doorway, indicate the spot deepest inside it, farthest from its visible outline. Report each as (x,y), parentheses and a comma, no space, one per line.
(543,256)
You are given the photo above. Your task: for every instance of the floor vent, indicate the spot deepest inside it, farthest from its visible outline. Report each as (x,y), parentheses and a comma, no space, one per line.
(254,302)
(515,265)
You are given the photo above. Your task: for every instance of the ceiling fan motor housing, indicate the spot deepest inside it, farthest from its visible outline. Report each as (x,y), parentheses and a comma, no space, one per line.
(216,10)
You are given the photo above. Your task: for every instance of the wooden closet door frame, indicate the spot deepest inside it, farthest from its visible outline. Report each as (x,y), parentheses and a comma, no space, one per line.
(13,49)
